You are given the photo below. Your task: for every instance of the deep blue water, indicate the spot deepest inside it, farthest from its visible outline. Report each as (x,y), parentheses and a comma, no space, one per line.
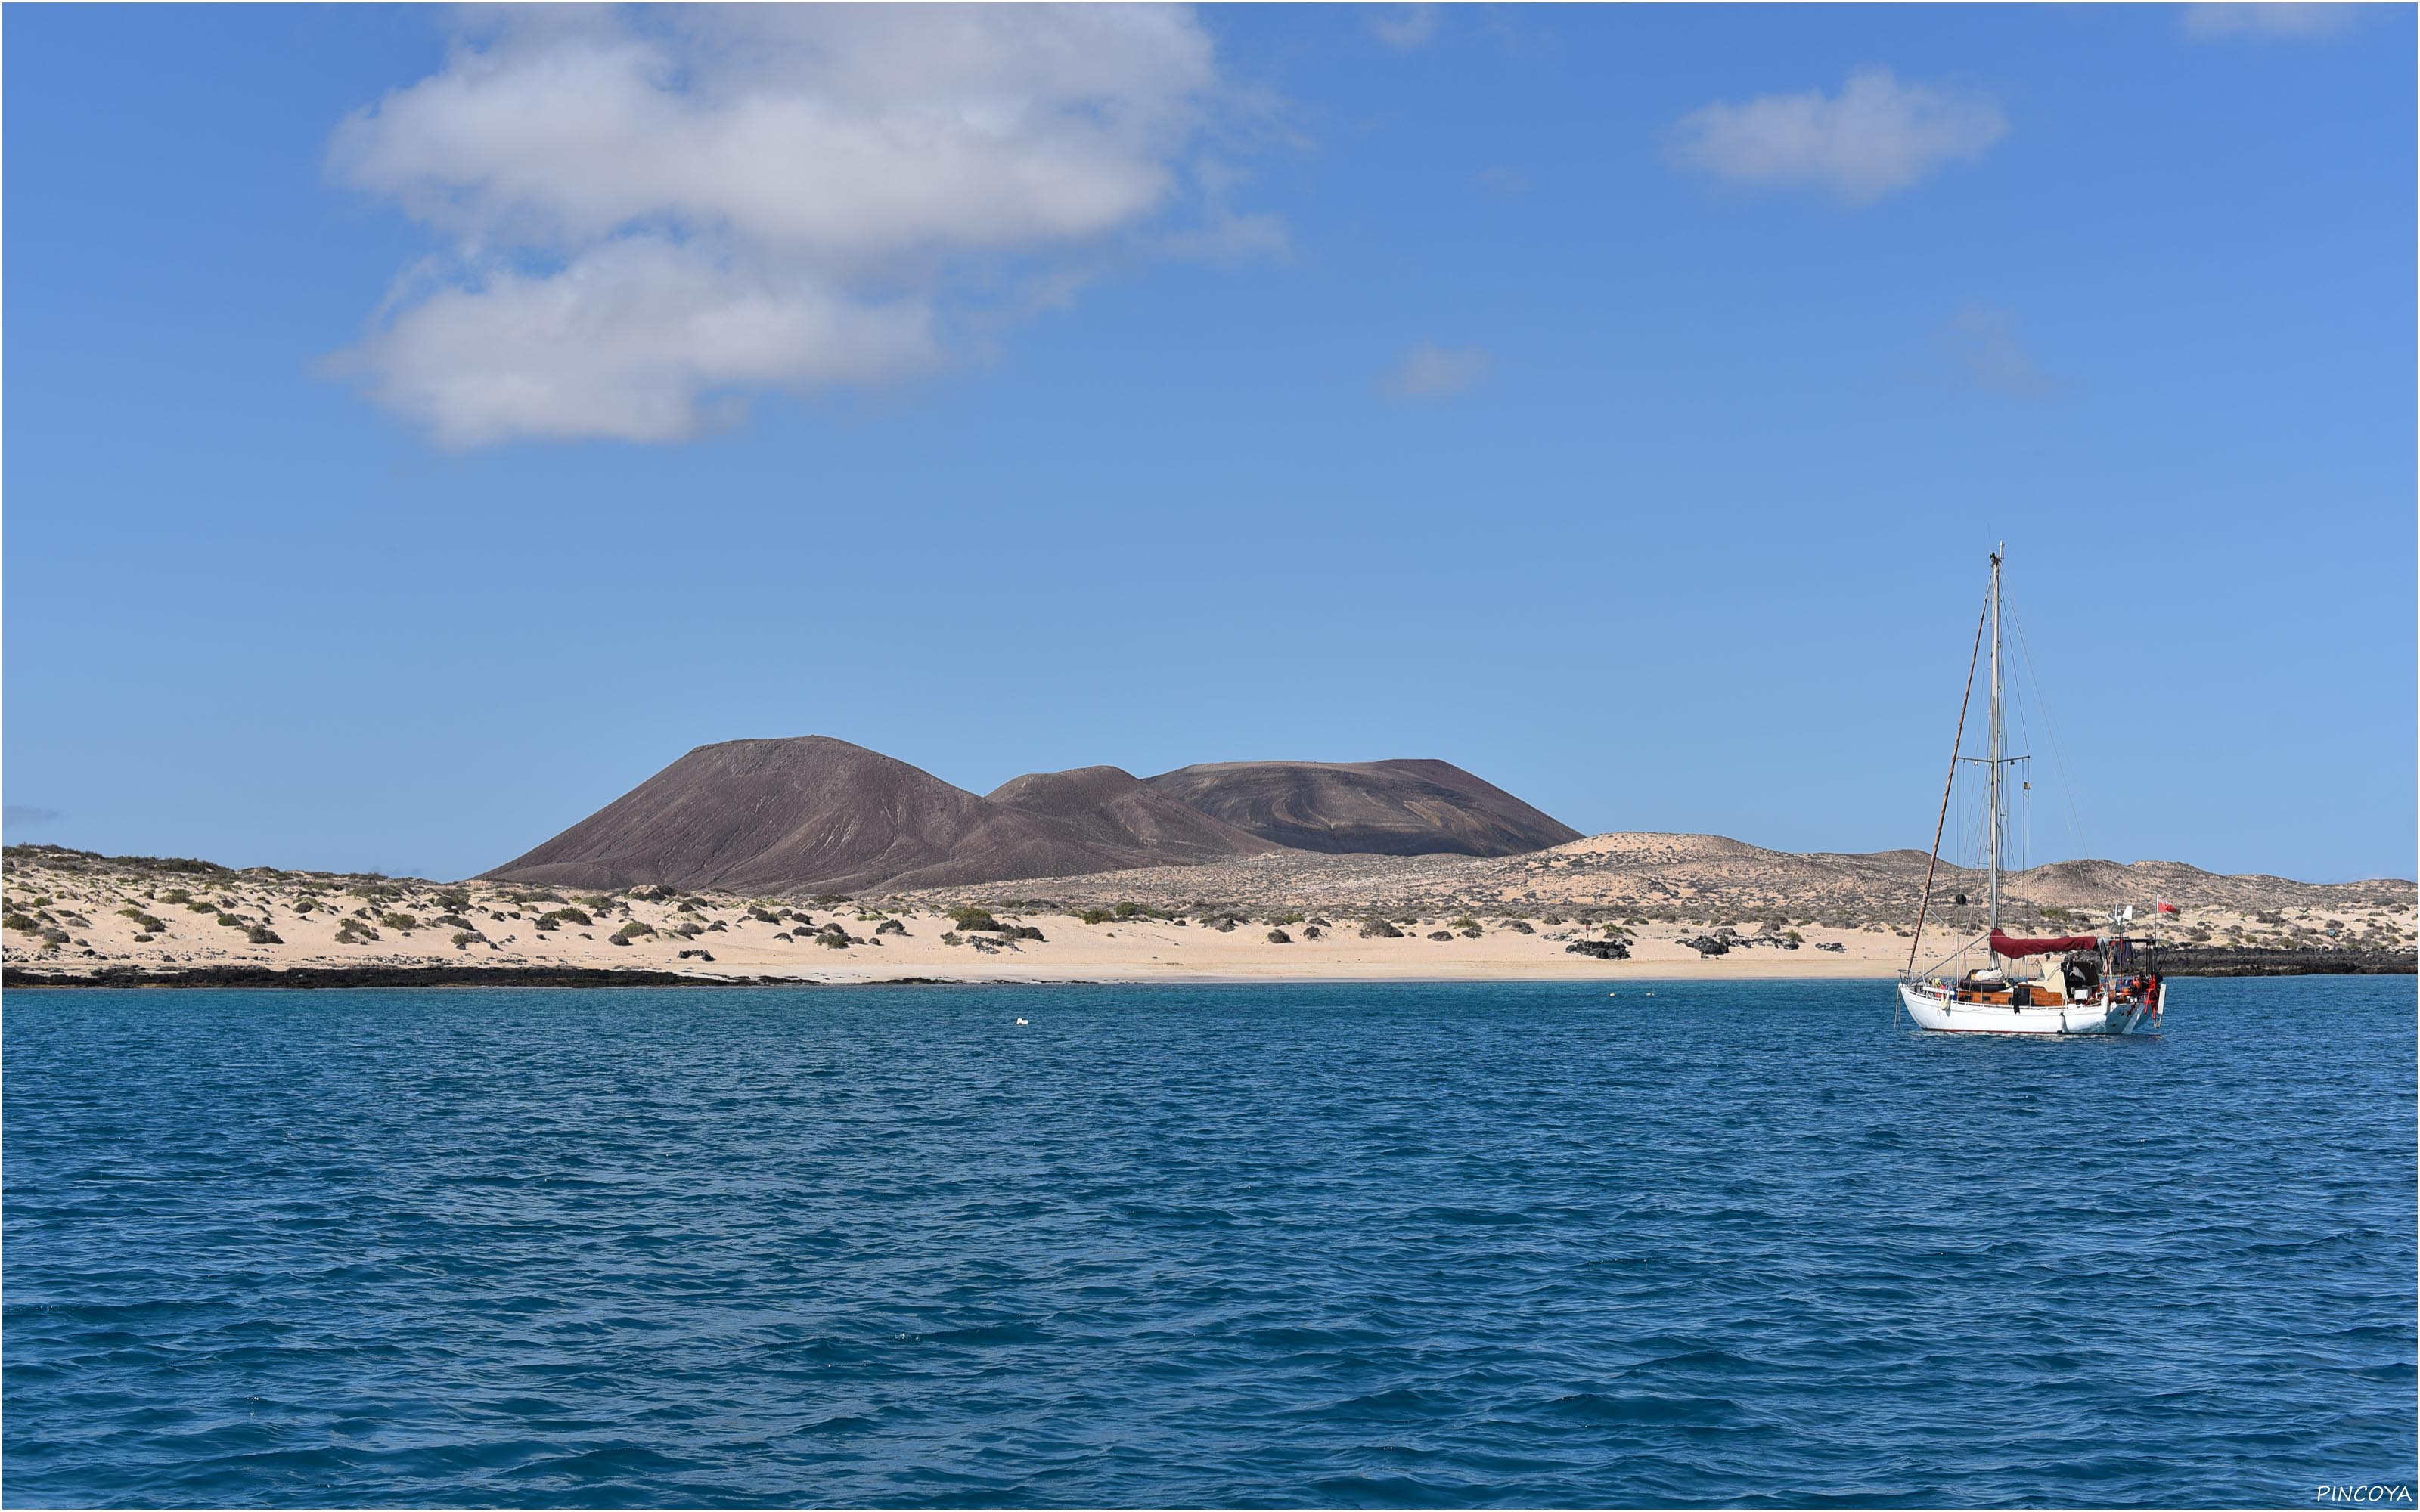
(1182,1246)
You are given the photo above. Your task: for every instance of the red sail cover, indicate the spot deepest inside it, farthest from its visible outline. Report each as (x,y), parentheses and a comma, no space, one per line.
(2003,945)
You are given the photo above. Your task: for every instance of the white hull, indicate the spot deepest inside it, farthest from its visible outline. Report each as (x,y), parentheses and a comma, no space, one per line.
(1933,1008)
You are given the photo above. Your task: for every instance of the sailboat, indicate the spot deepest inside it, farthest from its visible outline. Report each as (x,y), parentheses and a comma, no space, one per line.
(2104,983)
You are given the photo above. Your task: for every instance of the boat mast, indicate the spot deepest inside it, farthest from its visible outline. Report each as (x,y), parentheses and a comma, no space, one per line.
(1995,761)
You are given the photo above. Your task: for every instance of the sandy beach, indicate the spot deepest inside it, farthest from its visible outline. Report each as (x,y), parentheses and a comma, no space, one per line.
(72,913)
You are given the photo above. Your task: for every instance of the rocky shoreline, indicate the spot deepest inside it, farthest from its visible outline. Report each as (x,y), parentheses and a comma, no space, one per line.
(2197,961)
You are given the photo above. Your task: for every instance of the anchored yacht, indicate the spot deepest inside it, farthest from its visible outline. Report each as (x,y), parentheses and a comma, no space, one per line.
(2102,983)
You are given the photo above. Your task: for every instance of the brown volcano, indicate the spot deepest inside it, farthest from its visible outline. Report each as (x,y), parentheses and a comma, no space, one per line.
(1397,807)
(807,815)
(1110,806)
(813,815)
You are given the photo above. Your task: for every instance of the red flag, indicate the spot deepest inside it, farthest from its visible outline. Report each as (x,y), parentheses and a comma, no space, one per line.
(2166,907)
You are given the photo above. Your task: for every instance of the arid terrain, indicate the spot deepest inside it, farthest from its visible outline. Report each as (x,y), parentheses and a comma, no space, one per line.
(1642,906)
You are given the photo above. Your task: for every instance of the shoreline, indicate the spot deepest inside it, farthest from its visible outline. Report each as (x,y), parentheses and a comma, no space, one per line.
(317,979)
(74,919)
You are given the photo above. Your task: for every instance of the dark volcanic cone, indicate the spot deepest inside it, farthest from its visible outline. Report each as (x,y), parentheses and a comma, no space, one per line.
(807,815)
(1398,807)
(1112,807)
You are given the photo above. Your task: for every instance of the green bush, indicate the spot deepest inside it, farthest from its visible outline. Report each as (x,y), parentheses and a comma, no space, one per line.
(176,895)
(1378,929)
(353,931)
(764,914)
(399,921)
(462,938)
(566,916)
(22,921)
(263,935)
(973,918)
(1091,915)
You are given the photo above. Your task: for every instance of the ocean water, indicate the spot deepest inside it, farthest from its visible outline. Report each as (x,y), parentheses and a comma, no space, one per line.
(1273,1245)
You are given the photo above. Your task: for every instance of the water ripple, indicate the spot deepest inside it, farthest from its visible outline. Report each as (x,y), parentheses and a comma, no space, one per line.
(1303,1246)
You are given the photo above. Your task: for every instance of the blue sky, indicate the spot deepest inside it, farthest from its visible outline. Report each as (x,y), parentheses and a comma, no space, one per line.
(416,438)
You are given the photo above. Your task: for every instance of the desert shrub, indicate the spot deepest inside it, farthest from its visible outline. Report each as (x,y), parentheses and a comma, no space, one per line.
(176,895)
(230,921)
(1440,935)
(454,921)
(1279,936)
(1022,931)
(952,937)
(635,930)
(1288,916)
(828,899)
(399,921)
(54,936)
(353,931)
(764,914)
(890,925)
(1521,926)
(1311,932)
(263,935)
(689,929)
(973,918)
(717,927)
(834,937)
(1378,929)
(1092,916)
(1795,937)
(1465,922)
(462,938)
(201,905)
(566,916)
(1470,933)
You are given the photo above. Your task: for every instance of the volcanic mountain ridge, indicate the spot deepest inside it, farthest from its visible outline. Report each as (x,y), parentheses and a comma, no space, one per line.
(813,813)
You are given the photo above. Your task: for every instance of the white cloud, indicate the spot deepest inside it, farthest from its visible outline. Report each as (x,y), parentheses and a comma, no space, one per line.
(1429,371)
(1875,137)
(1983,350)
(652,214)
(1403,27)
(2253,18)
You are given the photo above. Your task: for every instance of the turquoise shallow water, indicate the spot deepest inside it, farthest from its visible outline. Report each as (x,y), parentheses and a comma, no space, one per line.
(1178,1245)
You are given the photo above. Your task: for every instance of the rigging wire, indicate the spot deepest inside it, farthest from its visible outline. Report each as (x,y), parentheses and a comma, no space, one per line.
(1933,864)
(2058,750)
